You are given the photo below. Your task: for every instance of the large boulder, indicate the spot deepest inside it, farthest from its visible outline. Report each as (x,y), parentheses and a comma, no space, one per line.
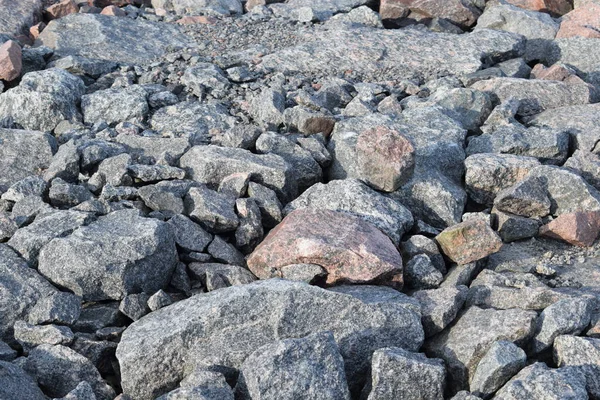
(581,353)
(354,197)
(348,248)
(17,16)
(361,318)
(120,254)
(17,384)
(107,38)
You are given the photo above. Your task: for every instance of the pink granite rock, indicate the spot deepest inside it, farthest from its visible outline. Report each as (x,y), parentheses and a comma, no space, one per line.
(10,61)
(578,228)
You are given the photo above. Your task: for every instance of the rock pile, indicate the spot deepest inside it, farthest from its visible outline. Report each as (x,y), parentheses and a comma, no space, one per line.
(299,199)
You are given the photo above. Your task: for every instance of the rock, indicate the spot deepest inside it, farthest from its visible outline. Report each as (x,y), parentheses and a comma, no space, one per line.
(22,287)
(439,307)
(159,300)
(30,336)
(63,194)
(225,252)
(135,306)
(581,353)
(556,7)
(211,209)
(62,9)
(557,72)
(64,164)
(6,352)
(512,227)
(43,99)
(241,136)
(397,373)
(467,106)
(267,108)
(113,11)
(152,148)
(58,370)
(354,197)
(310,366)
(16,383)
(515,68)
(206,78)
(268,203)
(155,173)
(537,381)
(122,240)
(460,13)
(250,231)
(182,7)
(115,105)
(501,362)
(58,308)
(83,391)
(10,61)
(567,316)
(17,17)
(587,165)
(350,249)
(189,235)
(108,38)
(419,244)
(393,12)
(578,228)
(8,226)
(420,273)
(30,186)
(582,21)
(96,316)
(488,174)
(210,164)
(155,342)
(527,198)
(536,95)
(308,122)
(216,276)
(539,28)
(235,185)
(464,345)
(469,241)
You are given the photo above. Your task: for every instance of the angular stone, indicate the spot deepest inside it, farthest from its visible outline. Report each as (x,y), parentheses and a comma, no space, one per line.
(587,165)
(216,276)
(103,37)
(205,78)
(250,231)
(30,186)
(119,254)
(556,72)
(354,197)
(159,300)
(115,105)
(581,353)
(527,198)
(501,362)
(189,235)
(58,370)
(240,136)
(135,306)
(537,381)
(223,251)
(156,342)
(578,228)
(182,7)
(567,316)
(420,273)
(152,148)
(267,108)
(30,336)
(268,203)
(311,366)
(43,99)
(469,241)
(211,164)
(307,121)
(583,21)
(83,391)
(211,209)
(536,95)
(235,185)
(464,345)
(155,173)
(8,226)
(397,373)
(6,352)
(17,17)
(61,9)
(64,164)
(63,194)
(488,174)
(556,7)
(350,249)
(16,383)
(113,11)
(58,308)
(439,307)
(10,61)
(514,227)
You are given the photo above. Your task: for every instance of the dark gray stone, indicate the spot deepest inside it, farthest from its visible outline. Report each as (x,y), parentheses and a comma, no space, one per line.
(30,336)
(225,252)
(135,306)
(189,235)
(155,173)
(268,203)
(211,209)
(250,231)
(420,273)
(439,307)
(17,384)
(205,78)
(59,308)
(64,194)
(216,276)
(159,300)
(17,17)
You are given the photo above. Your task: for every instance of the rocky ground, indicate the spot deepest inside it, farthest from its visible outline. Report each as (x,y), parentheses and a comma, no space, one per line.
(300,199)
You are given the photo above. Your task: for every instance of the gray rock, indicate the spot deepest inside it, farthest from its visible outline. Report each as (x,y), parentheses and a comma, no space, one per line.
(461,274)
(211,164)
(94,151)
(576,52)
(192,120)
(567,316)
(420,273)
(64,164)
(6,352)
(307,121)
(512,227)
(307,367)
(515,68)
(268,203)
(78,65)
(439,307)
(235,185)
(95,316)
(111,171)
(24,153)
(30,336)
(43,99)
(115,105)
(100,352)
(30,186)
(354,197)
(467,106)
(538,382)
(135,306)
(17,384)
(466,342)
(317,150)
(253,309)
(159,300)
(152,148)
(22,287)
(155,173)
(183,7)
(140,252)
(250,231)
(397,373)
(189,235)
(587,165)
(216,276)
(63,194)
(527,198)
(501,362)
(267,108)
(308,273)
(115,194)
(164,196)
(240,136)
(59,308)
(582,353)
(103,37)
(8,226)
(419,244)
(83,391)
(225,252)
(211,209)
(17,17)
(206,78)
(488,174)
(465,395)
(58,370)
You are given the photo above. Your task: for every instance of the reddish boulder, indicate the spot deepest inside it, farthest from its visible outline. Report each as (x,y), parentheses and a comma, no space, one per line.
(578,228)
(62,9)
(113,11)
(386,158)
(457,11)
(556,7)
(583,21)
(347,247)
(469,241)
(10,61)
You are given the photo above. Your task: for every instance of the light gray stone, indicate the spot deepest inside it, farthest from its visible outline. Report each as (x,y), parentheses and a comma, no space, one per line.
(439,307)
(501,362)
(115,105)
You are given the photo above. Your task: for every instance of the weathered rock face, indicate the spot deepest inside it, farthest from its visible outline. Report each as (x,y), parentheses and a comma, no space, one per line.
(119,254)
(354,197)
(583,21)
(43,99)
(115,105)
(579,228)
(108,38)
(15,383)
(469,241)
(157,346)
(581,353)
(349,249)
(17,17)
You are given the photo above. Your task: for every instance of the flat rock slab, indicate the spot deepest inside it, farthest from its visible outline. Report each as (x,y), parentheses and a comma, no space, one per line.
(104,37)
(350,249)
(17,16)
(361,318)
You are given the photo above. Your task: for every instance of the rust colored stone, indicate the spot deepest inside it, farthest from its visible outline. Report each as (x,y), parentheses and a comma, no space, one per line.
(469,241)
(557,72)
(10,61)
(583,21)
(555,7)
(62,9)
(348,248)
(113,11)
(578,228)
(36,29)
